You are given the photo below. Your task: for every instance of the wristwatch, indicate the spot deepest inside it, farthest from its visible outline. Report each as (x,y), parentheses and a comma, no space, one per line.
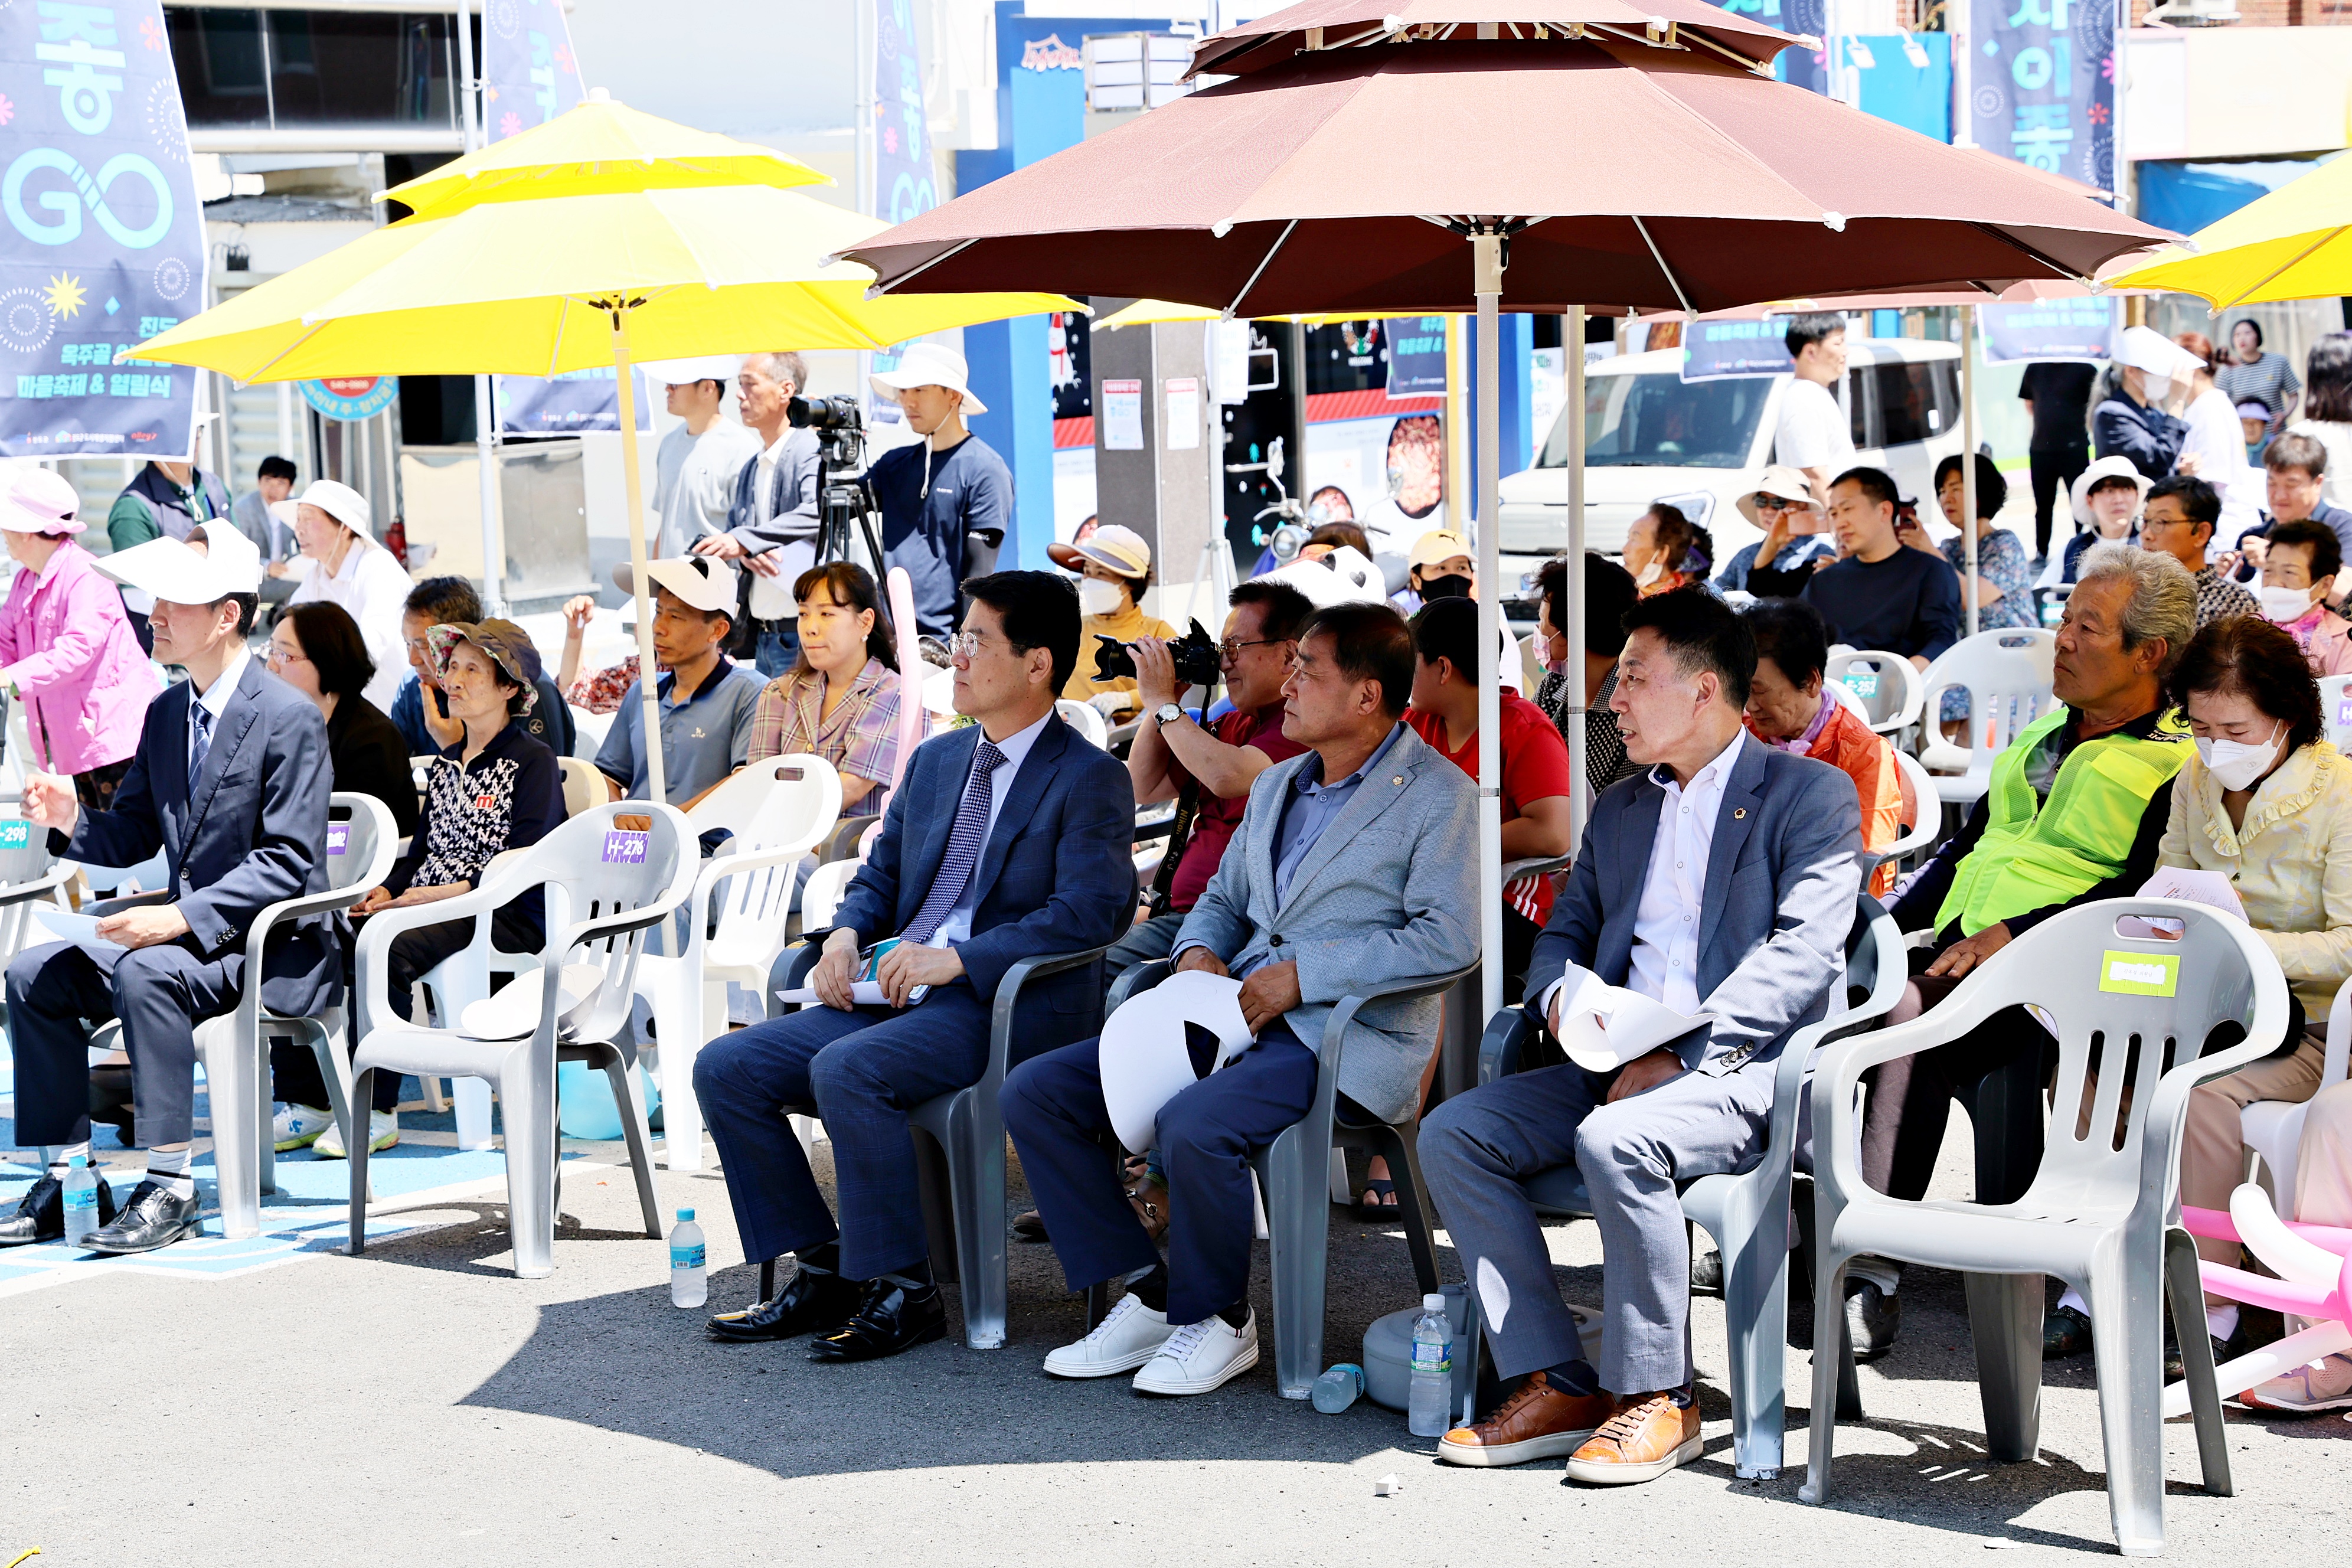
(1167,714)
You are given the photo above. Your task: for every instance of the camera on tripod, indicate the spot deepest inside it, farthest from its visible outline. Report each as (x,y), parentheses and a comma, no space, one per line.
(1196,655)
(840,427)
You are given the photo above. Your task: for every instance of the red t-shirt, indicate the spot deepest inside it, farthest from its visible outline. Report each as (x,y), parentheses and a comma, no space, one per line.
(1535,766)
(1213,824)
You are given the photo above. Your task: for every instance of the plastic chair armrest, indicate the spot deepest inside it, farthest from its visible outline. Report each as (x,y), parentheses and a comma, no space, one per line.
(1535,865)
(1505,1044)
(2168,1107)
(1008,996)
(1142,977)
(40,887)
(1335,1027)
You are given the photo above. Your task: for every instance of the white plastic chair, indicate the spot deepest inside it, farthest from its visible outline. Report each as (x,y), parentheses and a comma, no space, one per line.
(1919,803)
(604,887)
(778,810)
(2335,709)
(1886,686)
(2007,675)
(588,732)
(584,785)
(1086,720)
(2272,1128)
(31,878)
(2103,1213)
(234,1047)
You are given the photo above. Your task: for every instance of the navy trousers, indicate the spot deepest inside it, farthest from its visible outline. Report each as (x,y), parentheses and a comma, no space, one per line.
(160,992)
(1054,1108)
(864,1070)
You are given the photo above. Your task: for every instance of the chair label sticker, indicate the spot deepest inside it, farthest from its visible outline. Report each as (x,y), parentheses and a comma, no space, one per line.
(16,834)
(2140,973)
(626,847)
(1862,682)
(2343,712)
(338,837)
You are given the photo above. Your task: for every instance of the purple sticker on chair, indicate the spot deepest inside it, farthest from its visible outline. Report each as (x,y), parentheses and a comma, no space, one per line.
(2344,713)
(338,837)
(622,847)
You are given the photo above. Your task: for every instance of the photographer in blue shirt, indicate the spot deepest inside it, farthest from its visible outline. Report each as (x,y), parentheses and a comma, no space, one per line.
(947,502)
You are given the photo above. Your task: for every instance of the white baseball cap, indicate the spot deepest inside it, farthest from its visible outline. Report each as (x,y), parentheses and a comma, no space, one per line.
(703,581)
(342,503)
(721,368)
(169,570)
(928,364)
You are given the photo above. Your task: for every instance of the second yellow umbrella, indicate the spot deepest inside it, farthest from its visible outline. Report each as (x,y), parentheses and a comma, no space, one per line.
(2293,244)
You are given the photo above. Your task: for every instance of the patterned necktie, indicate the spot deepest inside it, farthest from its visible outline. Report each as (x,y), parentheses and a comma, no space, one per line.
(201,746)
(963,846)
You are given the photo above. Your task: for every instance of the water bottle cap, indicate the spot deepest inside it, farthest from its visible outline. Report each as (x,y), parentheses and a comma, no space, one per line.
(76,1163)
(685,1214)
(1433,1303)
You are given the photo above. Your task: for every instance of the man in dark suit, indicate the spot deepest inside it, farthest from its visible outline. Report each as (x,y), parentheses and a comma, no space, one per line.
(1720,883)
(1008,839)
(231,781)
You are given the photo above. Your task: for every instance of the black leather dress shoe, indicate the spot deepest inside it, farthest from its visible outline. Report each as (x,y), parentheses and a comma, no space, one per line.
(2065,1333)
(889,1320)
(153,1219)
(1873,1316)
(40,1214)
(811,1300)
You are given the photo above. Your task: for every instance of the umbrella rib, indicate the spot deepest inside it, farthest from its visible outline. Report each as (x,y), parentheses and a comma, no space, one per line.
(881,288)
(1263,262)
(2051,262)
(263,368)
(2283,268)
(1672,281)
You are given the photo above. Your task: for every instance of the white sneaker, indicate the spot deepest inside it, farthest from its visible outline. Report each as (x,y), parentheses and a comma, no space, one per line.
(1201,1356)
(298,1126)
(384,1132)
(2322,1385)
(1128,1337)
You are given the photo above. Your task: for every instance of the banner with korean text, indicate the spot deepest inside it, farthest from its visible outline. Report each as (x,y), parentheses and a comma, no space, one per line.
(104,239)
(2043,85)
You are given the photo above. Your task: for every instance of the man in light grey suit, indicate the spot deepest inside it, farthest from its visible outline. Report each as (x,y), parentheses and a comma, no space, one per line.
(1721,881)
(1355,867)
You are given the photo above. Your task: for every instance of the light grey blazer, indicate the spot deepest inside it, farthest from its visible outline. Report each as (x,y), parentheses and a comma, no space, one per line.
(1389,892)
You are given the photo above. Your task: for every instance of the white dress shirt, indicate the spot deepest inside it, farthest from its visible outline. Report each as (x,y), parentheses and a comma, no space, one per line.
(1664,966)
(1016,748)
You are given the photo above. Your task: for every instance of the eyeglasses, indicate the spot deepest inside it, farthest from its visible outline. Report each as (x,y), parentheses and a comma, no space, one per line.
(278,656)
(964,646)
(1232,647)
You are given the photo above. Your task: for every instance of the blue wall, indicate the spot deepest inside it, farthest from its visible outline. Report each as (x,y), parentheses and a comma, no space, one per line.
(2185,197)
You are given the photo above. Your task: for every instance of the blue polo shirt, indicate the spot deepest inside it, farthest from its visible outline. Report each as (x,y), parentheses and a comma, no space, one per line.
(706,734)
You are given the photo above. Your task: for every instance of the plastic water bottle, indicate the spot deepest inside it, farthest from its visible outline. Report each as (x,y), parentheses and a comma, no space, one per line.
(689,1281)
(1428,1407)
(1338,1388)
(81,1200)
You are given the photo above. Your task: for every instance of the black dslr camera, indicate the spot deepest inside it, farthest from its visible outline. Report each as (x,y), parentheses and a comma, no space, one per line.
(1198,662)
(840,427)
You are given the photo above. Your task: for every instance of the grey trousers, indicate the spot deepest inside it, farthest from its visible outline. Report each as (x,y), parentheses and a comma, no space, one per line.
(1477,1148)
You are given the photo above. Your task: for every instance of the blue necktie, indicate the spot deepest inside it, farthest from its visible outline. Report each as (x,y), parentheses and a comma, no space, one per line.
(201,746)
(965,842)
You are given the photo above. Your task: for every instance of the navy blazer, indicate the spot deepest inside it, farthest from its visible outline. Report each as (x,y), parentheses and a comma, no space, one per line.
(1057,874)
(1782,874)
(253,833)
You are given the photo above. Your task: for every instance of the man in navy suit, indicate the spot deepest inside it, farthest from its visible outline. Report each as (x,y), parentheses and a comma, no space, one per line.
(231,781)
(1008,839)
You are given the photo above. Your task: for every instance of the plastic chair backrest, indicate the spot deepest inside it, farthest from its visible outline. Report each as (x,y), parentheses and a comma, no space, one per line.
(1086,721)
(789,804)
(353,822)
(584,785)
(24,849)
(595,869)
(2006,674)
(1922,809)
(588,731)
(1884,686)
(2335,709)
(2129,1005)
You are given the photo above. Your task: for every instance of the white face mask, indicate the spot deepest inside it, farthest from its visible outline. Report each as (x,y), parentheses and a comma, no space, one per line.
(1096,597)
(2236,766)
(2287,604)
(1649,573)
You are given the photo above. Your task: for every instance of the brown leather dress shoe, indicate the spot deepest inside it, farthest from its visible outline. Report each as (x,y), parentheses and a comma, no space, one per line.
(1536,1421)
(1647,1437)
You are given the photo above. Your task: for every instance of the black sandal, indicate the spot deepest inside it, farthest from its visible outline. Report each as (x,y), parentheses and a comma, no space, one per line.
(1378,1198)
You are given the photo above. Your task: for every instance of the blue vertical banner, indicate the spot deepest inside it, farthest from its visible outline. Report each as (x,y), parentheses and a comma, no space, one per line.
(904,180)
(104,239)
(2043,85)
(529,77)
(1416,355)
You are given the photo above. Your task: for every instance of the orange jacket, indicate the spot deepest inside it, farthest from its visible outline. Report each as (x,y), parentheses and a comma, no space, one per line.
(1850,745)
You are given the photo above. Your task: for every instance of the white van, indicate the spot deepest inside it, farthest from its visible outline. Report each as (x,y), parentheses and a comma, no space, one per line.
(1651,436)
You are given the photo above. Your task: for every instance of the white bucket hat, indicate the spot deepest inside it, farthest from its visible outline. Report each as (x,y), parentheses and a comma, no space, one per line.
(1158,1043)
(928,364)
(342,503)
(2112,467)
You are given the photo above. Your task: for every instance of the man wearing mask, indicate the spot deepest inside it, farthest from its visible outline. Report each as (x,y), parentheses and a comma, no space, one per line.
(947,500)
(772,523)
(2149,368)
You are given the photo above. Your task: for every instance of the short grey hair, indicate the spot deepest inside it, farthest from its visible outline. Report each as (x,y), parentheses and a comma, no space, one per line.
(785,366)
(2163,602)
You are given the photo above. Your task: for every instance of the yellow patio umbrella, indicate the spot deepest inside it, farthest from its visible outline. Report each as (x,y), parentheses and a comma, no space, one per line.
(2293,244)
(543,286)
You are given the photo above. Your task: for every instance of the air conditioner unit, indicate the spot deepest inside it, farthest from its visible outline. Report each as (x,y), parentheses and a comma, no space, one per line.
(2193,13)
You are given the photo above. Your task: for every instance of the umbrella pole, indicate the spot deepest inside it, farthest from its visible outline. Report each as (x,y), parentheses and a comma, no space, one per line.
(633,490)
(1571,589)
(1968,457)
(486,447)
(1486,265)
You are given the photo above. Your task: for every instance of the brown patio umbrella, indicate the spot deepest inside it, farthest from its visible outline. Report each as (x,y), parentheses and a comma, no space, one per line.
(1590,160)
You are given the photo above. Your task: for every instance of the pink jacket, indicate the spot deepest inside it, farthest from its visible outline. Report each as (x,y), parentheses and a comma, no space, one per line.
(2326,640)
(68,648)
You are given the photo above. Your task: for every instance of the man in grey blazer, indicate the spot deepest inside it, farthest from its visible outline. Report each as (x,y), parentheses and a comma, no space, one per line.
(1355,867)
(1721,882)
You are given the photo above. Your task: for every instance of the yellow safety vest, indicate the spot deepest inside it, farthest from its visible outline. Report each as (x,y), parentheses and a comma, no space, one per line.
(2035,853)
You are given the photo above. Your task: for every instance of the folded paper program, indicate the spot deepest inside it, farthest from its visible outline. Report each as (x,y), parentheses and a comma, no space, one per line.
(1603,1027)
